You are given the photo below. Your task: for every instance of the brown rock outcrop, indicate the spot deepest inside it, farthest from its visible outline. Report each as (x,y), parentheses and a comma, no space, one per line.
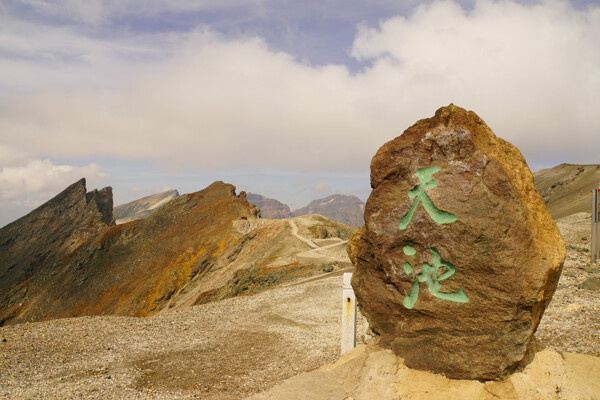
(459,256)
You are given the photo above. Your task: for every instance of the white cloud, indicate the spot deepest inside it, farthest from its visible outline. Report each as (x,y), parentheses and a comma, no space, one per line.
(37,180)
(532,72)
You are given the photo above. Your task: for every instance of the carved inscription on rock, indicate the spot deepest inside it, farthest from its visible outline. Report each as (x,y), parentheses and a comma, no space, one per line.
(458,257)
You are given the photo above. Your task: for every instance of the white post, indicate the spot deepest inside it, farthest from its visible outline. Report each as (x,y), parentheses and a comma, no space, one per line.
(595,239)
(348,315)
(598,223)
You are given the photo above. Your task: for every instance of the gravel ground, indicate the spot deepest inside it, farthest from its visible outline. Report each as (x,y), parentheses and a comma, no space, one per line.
(224,350)
(572,321)
(233,348)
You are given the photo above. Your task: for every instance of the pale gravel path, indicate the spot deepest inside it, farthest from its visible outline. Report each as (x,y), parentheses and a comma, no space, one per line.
(230,349)
(301,238)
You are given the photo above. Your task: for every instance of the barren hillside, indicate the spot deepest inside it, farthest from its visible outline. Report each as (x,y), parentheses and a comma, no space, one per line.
(63,260)
(566,188)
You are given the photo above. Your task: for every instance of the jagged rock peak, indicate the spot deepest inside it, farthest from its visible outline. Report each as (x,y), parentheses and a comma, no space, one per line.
(104,201)
(46,238)
(73,190)
(223,189)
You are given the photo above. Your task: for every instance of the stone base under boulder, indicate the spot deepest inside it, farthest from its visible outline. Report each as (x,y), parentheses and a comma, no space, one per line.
(371,373)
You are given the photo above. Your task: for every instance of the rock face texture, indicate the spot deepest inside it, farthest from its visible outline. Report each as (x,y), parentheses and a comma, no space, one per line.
(269,208)
(565,189)
(143,207)
(32,247)
(459,256)
(346,209)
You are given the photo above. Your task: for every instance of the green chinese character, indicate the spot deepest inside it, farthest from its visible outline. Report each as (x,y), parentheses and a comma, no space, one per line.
(430,274)
(418,193)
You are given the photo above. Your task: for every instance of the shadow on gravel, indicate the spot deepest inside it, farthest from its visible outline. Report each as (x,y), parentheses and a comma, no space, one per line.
(235,367)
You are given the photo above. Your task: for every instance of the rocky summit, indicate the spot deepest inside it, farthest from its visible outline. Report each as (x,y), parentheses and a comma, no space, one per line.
(459,257)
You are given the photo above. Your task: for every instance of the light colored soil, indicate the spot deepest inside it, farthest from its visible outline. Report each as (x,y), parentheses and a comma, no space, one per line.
(224,350)
(233,348)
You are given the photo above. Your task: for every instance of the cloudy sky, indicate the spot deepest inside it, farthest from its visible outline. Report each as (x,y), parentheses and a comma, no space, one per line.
(284,98)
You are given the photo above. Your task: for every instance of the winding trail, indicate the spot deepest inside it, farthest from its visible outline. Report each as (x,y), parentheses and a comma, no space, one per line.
(295,234)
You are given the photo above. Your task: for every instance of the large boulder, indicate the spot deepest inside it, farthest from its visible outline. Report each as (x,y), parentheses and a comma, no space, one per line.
(459,256)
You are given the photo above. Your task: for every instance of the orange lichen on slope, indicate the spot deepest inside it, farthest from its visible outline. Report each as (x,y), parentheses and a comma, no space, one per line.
(222,244)
(288,267)
(172,278)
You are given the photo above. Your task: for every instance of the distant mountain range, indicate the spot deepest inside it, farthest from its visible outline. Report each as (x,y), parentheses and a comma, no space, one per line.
(143,207)
(346,209)
(269,208)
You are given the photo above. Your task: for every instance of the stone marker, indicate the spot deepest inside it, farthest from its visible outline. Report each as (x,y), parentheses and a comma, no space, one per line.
(458,257)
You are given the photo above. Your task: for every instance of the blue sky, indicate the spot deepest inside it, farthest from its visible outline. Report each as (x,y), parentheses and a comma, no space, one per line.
(283,98)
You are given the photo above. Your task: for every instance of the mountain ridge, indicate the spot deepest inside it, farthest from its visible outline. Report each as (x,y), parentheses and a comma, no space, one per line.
(193,249)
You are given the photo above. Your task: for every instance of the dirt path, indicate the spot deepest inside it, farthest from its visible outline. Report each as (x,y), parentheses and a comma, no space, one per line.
(302,238)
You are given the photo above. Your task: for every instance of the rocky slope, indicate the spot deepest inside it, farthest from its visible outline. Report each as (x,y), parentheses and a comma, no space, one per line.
(346,209)
(143,207)
(269,208)
(566,188)
(36,248)
(64,259)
